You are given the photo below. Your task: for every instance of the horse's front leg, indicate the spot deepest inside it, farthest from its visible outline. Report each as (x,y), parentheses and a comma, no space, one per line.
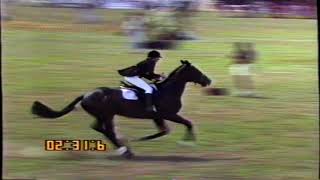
(163,130)
(108,130)
(178,119)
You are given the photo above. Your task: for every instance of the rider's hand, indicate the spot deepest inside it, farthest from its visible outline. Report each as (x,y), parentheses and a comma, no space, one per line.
(162,76)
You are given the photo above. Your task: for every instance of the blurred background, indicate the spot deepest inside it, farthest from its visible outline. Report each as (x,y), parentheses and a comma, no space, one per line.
(263,52)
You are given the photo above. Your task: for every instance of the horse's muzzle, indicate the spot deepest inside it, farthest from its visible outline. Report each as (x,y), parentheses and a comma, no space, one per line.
(205,81)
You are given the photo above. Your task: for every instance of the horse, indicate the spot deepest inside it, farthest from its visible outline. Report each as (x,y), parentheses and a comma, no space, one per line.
(104,103)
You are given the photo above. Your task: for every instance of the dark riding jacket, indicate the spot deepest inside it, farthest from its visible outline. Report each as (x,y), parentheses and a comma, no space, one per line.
(143,69)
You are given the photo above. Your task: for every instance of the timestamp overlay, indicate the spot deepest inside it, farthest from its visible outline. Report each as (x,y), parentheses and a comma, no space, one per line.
(75,145)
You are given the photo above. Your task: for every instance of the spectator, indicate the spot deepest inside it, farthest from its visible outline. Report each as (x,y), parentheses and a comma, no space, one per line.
(135,27)
(243,58)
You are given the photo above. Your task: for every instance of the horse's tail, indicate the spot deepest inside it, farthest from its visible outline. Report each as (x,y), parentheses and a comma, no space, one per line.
(44,111)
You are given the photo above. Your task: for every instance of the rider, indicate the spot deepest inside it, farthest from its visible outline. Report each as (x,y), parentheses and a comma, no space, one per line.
(144,69)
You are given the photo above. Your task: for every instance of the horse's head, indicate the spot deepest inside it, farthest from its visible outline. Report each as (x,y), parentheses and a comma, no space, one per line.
(192,74)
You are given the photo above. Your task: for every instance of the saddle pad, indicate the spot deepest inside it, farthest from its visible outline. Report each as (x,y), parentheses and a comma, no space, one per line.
(129,94)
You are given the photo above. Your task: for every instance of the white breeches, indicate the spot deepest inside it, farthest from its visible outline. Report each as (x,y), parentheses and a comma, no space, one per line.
(140,83)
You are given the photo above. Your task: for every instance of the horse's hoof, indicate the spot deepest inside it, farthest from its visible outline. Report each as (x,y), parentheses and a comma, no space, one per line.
(128,154)
(125,152)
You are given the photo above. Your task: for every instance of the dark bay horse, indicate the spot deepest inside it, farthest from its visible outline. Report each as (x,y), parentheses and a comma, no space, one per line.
(104,103)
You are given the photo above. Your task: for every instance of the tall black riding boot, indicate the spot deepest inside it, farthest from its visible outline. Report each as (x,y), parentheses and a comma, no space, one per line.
(149,105)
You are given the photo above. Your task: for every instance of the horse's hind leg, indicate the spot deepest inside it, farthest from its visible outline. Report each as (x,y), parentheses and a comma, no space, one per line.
(178,119)
(163,128)
(109,132)
(97,125)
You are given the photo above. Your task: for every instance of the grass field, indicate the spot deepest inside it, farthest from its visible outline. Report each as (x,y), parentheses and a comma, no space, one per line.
(49,56)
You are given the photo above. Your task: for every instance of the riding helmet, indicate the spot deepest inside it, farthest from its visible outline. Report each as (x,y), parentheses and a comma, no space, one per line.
(154,54)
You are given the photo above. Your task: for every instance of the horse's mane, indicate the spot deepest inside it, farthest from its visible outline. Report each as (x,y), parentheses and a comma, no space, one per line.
(174,72)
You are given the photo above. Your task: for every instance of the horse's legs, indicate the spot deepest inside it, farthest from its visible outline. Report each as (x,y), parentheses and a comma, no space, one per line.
(178,119)
(163,128)
(109,132)
(97,125)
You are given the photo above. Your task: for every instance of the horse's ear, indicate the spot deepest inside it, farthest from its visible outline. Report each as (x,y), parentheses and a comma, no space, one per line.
(187,62)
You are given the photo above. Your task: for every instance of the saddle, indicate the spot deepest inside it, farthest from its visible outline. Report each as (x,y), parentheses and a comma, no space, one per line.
(128,89)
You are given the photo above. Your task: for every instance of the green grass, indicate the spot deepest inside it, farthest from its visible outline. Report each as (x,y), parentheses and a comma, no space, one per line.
(245,139)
